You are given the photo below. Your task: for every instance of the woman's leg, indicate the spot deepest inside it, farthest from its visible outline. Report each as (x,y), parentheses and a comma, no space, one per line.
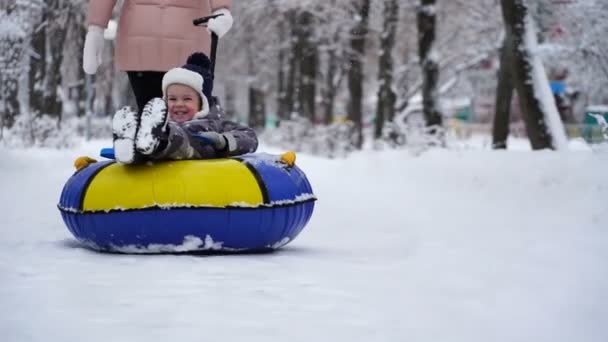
(146,85)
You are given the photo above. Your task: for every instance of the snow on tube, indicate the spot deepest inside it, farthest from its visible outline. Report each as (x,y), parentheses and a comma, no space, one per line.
(251,202)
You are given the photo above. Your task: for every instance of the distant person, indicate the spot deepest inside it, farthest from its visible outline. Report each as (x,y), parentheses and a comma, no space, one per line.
(179,126)
(153,36)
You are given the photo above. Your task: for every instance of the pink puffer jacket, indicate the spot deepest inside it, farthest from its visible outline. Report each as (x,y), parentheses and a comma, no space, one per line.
(156,35)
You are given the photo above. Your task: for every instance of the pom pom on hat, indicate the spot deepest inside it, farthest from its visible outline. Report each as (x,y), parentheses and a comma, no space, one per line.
(199,59)
(204,63)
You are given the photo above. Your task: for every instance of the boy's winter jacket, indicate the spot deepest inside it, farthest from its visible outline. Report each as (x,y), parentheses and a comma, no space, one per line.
(182,143)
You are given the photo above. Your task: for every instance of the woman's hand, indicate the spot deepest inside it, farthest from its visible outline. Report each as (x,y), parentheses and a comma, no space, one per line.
(93,47)
(221,24)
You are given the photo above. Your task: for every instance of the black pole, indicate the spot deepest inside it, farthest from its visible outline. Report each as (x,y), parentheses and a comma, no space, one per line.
(214,39)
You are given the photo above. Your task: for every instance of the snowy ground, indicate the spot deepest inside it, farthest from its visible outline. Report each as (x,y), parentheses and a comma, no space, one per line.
(463,245)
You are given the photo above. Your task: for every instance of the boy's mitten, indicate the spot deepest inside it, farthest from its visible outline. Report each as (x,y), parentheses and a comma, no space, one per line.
(221,24)
(218,141)
(93,47)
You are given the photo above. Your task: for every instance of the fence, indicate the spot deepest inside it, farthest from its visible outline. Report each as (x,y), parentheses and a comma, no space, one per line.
(592,134)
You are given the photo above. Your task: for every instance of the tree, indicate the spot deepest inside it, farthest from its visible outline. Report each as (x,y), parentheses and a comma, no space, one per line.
(355,70)
(307,63)
(332,79)
(332,38)
(504,95)
(538,108)
(257,96)
(283,105)
(385,108)
(257,108)
(45,63)
(288,94)
(430,68)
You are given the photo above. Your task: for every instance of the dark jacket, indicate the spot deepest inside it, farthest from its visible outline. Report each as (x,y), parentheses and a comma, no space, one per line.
(182,144)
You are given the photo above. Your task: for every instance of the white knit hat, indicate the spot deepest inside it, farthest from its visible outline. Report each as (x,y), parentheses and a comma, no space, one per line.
(191,75)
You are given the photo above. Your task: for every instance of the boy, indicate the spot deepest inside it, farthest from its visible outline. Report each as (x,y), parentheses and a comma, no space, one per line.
(179,126)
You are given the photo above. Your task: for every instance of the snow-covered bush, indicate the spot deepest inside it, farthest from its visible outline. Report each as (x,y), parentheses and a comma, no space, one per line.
(336,140)
(46,131)
(11,56)
(299,134)
(93,128)
(39,132)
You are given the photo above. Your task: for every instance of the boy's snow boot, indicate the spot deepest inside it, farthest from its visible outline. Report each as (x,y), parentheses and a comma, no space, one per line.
(152,127)
(124,130)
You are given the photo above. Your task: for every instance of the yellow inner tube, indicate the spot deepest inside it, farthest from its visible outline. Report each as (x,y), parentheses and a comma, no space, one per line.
(210,183)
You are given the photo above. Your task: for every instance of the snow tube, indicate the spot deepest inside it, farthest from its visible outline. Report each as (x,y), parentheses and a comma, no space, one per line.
(252,202)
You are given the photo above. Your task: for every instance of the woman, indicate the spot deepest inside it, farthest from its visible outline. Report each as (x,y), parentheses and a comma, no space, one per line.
(153,36)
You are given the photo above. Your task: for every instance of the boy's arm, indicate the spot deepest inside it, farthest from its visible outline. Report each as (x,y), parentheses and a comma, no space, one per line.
(240,139)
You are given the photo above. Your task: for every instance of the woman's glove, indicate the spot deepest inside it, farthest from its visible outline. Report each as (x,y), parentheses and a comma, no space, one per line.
(221,24)
(218,141)
(93,47)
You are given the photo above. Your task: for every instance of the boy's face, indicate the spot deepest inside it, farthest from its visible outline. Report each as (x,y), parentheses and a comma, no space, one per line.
(182,102)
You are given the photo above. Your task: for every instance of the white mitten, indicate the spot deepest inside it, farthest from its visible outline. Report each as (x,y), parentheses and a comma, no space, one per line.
(93,47)
(221,24)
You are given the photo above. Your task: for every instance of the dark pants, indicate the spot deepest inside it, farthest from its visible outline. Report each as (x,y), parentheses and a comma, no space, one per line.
(146,85)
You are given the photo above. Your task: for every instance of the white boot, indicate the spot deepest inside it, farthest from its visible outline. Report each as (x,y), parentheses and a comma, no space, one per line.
(152,126)
(124,130)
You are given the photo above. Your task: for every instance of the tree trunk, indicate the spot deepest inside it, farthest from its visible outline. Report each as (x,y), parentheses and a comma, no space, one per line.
(307,64)
(230,101)
(333,73)
(257,97)
(385,110)
(38,65)
(504,95)
(292,67)
(105,82)
(47,44)
(282,106)
(329,93)
(355,71)
(257,108)
(426,18)
(514,14)
(55,38)
(76,33)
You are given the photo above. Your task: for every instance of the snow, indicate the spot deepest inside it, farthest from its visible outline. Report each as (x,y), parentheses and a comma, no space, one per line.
(598,108)
(428,10)
(542,89)
(432,56)
(454,245)
(190,243)
(10,28)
